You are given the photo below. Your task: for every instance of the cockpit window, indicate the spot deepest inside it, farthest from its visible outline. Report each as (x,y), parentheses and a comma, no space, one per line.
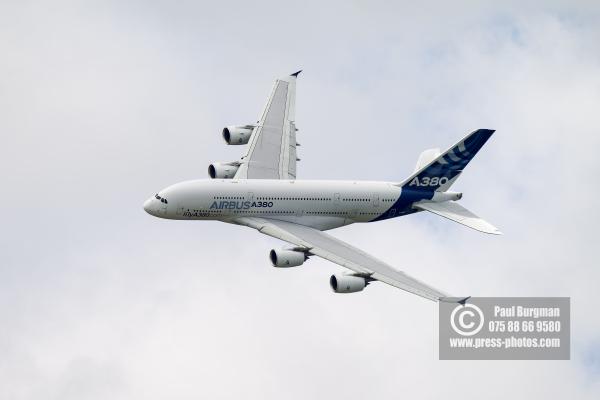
(162,199)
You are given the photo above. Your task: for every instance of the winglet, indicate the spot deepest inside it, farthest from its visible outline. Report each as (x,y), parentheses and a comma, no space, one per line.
(461,301)
(295,74)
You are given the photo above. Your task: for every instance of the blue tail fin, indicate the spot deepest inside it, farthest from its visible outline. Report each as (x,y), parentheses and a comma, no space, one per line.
(442,172)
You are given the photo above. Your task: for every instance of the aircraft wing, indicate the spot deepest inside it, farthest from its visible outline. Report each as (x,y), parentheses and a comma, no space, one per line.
(326,246)
(272,150)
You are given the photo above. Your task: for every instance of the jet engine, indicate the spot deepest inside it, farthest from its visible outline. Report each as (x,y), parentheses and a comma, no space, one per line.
(286,258)
(341,283)
(222,170)
(237,134)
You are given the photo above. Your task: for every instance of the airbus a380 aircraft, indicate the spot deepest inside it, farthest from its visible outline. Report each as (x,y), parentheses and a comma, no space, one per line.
(261,191)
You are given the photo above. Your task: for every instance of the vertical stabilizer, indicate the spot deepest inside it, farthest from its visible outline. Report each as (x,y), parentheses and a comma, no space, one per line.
(442,171)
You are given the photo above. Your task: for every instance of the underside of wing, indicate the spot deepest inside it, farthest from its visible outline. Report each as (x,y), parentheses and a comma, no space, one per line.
(326,246)
(272,150)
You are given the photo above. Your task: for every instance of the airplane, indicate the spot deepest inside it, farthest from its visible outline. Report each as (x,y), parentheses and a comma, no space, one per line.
(260,191)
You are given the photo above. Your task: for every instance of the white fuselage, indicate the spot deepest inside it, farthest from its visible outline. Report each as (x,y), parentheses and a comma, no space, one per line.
(319,204)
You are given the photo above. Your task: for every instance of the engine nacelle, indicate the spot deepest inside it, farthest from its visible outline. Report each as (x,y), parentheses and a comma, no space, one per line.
(237,134)
(286,258)
(446,196)
(222,170)
(341,283)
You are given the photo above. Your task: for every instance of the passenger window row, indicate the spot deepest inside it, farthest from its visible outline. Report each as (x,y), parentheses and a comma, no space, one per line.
(285,212)
(262,212)
(295,198)
(287,198)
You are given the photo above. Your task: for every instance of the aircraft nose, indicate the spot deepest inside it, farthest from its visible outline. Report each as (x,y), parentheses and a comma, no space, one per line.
(148,206)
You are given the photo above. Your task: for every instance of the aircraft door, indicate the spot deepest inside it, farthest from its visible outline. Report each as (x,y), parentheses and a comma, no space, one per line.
(336,200)
(351,217)
(375,200)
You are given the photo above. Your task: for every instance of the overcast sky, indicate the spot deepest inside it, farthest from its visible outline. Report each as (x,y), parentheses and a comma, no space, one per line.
(104,103)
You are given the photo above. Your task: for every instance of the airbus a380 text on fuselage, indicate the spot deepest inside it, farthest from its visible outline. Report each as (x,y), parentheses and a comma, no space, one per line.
(261,191)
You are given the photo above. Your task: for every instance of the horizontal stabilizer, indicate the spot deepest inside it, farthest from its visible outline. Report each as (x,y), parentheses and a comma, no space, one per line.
(457,213)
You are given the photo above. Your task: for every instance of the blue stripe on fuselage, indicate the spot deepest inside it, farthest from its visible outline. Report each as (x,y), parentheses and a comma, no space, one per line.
(403,205)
